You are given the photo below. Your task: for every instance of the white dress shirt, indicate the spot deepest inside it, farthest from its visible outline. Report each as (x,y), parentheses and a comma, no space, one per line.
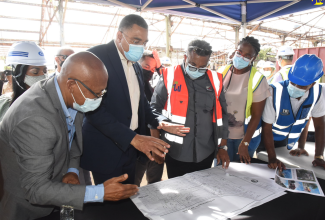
(134,90)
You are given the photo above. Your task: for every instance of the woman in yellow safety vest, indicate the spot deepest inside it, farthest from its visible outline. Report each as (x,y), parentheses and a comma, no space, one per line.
(246,91)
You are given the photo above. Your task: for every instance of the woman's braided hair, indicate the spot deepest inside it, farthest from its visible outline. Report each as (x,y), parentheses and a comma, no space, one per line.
(252,41)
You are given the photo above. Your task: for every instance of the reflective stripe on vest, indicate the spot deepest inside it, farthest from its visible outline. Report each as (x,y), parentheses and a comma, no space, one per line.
(176,109)
(284,72)
(174,138)
(286,125)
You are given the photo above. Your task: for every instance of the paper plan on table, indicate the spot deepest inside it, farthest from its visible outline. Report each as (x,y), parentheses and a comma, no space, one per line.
(253,169)
(207,194)
(299,180)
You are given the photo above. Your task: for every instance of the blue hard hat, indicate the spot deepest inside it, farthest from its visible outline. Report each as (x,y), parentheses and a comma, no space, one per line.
(307,69)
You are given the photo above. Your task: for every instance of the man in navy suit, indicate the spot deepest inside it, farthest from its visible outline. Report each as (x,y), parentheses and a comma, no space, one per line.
(114,133)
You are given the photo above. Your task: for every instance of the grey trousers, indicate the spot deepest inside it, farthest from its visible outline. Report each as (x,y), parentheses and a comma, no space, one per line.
(153,171)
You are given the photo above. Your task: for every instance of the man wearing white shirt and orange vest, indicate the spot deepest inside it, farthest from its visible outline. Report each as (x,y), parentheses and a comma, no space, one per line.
(191,105)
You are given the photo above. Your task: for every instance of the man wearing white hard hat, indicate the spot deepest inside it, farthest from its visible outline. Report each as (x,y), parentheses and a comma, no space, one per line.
(268,71)
(284,58)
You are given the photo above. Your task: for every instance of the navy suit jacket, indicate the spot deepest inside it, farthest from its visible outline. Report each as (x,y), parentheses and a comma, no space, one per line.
(106,131)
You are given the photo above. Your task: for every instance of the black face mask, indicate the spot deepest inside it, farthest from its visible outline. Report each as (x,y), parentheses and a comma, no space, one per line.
(147,75)
(61,64)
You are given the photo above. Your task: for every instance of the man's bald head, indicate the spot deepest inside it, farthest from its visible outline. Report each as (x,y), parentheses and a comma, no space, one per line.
(61,55)
(82,67)
(65,51)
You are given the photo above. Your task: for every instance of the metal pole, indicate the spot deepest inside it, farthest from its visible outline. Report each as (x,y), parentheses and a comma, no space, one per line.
(168,34)
(42,23)
(61,20)
(236,36)
(283,40)
(243,18)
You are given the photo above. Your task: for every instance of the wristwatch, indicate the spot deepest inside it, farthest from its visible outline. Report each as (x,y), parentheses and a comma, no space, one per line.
(319,157)
(224,147)
(246,144)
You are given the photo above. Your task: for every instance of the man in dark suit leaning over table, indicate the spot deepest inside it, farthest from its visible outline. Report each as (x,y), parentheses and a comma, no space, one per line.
(41,143)
(115,131)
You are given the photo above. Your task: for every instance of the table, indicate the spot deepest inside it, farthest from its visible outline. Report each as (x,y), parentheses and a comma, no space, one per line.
(290,206)
(294,161)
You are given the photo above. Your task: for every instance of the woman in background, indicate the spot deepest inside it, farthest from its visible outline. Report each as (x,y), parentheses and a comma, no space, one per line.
(29,62)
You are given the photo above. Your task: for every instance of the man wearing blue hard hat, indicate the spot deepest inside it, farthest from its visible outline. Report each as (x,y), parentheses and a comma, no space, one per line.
(287,111)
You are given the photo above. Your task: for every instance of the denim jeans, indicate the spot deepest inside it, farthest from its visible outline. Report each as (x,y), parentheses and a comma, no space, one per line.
(232,145)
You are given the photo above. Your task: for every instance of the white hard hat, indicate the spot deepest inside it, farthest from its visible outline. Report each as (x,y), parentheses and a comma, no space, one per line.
(260,64)
(269,64)
(27,53)
(165,60)
(285,51)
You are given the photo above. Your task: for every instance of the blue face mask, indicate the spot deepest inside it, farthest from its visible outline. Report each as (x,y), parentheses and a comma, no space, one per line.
(295,92)
(194,74)
(135,51)
(88,106)
(240,63)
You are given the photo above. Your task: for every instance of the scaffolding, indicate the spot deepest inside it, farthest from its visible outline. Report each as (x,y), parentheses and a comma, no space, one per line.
(55,21)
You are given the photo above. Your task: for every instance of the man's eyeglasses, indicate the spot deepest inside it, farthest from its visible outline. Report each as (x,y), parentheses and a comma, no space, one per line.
(92,92)
(200,51)
(200,70)
(247,58)
(64,56)
(135,41)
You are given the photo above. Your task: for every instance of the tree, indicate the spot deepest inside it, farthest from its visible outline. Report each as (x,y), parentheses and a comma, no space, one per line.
(262,53)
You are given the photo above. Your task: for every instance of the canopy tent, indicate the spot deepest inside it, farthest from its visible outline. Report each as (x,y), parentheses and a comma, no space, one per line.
(239,12)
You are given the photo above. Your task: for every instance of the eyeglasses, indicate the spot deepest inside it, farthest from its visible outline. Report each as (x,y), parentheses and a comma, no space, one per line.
(64,56)
(200,51)
(247,58)
(136,42)
(92,92)
(193,68)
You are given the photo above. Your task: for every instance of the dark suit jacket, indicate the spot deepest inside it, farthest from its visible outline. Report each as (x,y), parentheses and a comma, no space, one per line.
(106,131)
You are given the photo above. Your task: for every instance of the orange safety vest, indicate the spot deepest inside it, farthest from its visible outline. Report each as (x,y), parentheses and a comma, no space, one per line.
(176,105)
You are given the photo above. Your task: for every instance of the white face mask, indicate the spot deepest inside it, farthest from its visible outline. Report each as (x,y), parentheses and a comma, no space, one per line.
(89,104)
(267,73)
(31,80)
